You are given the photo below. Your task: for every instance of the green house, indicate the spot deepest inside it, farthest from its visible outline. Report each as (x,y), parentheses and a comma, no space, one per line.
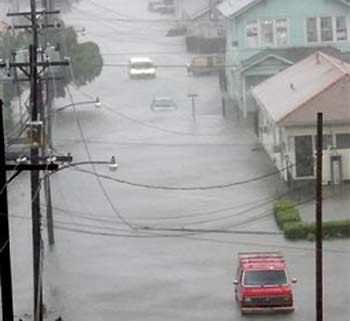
(266,36)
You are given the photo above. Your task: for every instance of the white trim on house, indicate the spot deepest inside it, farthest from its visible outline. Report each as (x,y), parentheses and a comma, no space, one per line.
(260,44)
(319,41)
(279,139)
(257,62)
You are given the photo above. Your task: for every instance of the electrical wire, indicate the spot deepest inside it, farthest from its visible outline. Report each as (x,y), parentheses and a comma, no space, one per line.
(249,220)
(115,210)
(4,245)
(147,125)
(10,179)
(258,244)
(182,232)
(103,218)
(129,19)
(184,188)
(167,218)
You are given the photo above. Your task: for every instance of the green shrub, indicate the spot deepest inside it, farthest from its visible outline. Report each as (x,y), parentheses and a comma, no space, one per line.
(288,219)
(285,211)
(282,204)
(332,229)
(296,230)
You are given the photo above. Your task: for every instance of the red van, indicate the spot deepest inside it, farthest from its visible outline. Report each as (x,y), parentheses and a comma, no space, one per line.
(262,282)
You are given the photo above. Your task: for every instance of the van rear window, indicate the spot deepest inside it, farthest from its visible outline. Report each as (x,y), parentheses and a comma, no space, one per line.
(265,277)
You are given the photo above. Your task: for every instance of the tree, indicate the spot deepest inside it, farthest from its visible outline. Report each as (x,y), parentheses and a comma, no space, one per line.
(64,5)
(86,63)
(86,59)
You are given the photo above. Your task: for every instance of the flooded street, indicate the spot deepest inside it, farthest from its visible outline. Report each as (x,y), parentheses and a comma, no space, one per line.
(158,238)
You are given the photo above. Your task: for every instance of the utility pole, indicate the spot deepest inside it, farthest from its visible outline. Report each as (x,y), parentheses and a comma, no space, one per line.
(47,5)
(193,96)
(319,234)
(35,183)
(5,261)
(35,133)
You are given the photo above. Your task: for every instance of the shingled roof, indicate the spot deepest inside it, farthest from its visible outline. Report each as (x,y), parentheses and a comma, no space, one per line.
(319,83)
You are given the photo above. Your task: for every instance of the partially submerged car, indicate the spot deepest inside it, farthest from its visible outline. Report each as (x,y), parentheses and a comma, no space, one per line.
(206,64)
(164,6)
(262,282)
(141,67)
(163,104)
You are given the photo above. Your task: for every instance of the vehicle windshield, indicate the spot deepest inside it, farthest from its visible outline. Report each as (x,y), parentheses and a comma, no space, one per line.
(268,277)
(141,65)
(163,102)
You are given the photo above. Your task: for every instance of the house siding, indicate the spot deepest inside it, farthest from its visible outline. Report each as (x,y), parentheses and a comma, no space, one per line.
(296,12)
(328,130)
(279,144)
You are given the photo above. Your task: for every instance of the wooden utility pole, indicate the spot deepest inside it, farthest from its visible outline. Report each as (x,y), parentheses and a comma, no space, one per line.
(35,182)
(5,261)
(47,5)
(33,17)
(319,233)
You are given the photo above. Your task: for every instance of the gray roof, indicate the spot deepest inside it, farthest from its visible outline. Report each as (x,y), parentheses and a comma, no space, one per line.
(233,7)
(295,54)
(293,87)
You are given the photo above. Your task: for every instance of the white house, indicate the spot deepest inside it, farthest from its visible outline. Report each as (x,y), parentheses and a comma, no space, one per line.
(288,104)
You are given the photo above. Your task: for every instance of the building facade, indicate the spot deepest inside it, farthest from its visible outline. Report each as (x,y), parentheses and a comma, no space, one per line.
(288,104)
(267,36)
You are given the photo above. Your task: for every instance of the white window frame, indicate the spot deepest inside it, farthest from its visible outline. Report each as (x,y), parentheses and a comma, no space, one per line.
(259,42)
(273,44)
(275,31)
(320,29)
(317,31)
(334,30)
(247,23)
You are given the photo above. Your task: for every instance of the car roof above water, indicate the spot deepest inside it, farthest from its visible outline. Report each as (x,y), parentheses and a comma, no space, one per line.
(140,60)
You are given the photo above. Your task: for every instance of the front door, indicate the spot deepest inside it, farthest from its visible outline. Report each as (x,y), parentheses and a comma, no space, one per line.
(304,156)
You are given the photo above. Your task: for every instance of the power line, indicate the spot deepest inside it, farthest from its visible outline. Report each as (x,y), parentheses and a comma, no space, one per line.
(259,244)
(4,245)
(115,210)
(130,19)
(147,125)
(191,188)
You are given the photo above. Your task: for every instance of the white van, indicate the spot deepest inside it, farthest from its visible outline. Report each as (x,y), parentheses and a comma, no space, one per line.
(141,67)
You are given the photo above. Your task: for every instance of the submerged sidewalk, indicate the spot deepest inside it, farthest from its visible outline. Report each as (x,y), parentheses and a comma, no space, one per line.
(336,204)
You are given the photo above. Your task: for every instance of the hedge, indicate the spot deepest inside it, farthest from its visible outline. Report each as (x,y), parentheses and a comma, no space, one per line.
(289,221)
(285,211)
(297,230)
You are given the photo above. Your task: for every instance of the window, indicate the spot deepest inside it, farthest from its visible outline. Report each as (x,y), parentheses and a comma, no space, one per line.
(252,33)
(342,141)
(267,32)
(265,277)
(267,37)
(281,31)
(341,30)
(327,141)
(311,29)
(326,29)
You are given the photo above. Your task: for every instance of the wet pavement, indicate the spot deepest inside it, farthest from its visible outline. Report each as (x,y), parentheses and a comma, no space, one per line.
(115,257)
